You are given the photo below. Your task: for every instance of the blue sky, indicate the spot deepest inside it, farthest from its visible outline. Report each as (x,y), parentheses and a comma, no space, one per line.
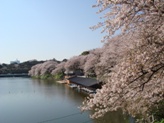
(46,29)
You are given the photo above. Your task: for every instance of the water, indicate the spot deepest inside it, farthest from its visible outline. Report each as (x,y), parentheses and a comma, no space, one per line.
(24,100)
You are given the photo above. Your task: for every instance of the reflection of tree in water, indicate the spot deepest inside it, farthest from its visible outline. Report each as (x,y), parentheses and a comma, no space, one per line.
(53,89)
(115,117)
(50,88)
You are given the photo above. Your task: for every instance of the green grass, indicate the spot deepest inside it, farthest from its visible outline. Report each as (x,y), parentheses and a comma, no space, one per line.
(58,76)
(162,121)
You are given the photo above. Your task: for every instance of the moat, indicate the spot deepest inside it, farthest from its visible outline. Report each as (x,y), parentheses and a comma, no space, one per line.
(24,100)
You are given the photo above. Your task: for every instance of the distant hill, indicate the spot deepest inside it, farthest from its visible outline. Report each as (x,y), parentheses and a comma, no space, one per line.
(23,67)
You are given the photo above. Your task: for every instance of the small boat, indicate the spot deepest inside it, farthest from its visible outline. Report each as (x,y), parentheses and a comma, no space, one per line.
(73,86)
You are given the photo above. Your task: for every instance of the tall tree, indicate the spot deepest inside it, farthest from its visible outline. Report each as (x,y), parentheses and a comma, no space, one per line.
(136,82)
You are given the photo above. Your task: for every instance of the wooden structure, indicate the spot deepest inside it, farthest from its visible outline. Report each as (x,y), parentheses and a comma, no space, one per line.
(86,84)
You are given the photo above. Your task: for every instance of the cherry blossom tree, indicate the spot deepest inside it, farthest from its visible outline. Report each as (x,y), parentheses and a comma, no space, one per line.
(58,72)
(136,82)
(75,63)
(112,53)
(60,68)
(43,68)
(35,70)
(47,67)
(92,60)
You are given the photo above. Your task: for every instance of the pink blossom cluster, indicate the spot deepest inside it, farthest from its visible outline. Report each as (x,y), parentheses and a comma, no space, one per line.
(43,68)
(133,73)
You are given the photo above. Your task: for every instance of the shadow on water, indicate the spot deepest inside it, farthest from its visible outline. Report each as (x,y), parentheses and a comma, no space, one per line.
(115,117)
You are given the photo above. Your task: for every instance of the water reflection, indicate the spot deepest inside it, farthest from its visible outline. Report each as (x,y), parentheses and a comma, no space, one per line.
(114,117)
(24,100)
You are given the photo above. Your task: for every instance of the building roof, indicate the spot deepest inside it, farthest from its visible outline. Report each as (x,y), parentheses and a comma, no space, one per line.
(87,82)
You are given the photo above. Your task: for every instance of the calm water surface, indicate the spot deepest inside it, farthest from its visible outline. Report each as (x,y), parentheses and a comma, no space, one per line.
(24,100)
